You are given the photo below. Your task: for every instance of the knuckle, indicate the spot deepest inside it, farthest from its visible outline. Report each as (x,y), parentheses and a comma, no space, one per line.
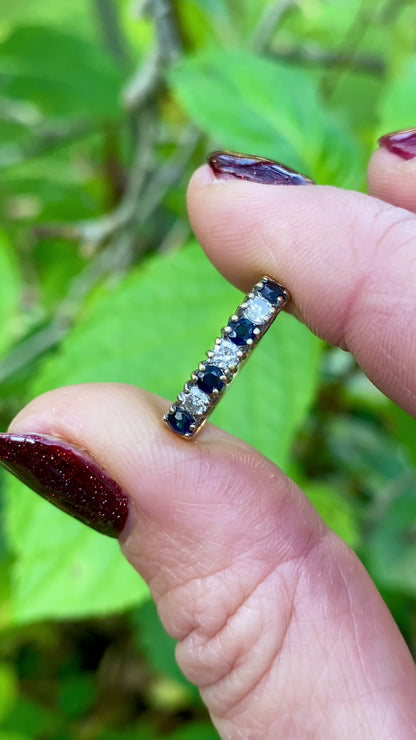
(394,228)
(240,640)
(375,251)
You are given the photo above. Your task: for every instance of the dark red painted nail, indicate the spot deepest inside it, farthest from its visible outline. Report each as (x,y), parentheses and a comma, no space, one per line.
(231,165)
(402,143)
(67,478)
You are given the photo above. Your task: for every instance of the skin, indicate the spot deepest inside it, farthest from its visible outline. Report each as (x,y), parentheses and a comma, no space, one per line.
(276,620)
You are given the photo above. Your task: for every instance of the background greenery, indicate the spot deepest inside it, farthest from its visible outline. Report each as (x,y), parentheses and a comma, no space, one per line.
(105,109)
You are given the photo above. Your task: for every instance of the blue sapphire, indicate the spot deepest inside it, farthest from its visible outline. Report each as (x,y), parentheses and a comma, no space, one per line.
(179,421)
(272,291)
(241,331)
(209,380)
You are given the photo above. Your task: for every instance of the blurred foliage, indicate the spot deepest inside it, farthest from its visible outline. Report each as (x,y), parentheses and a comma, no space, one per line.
(105,109)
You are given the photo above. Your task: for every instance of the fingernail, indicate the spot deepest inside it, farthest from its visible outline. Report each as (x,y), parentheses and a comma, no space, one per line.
(230,166)
(68,478)
(402,143)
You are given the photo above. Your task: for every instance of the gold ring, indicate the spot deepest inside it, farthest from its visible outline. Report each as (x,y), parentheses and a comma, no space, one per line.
(199,396)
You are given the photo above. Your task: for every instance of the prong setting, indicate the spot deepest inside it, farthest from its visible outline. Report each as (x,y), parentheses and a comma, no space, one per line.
(244,329)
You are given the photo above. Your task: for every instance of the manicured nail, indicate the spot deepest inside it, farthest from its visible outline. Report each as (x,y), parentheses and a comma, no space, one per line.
(402,143)
(231,166)
(67,478)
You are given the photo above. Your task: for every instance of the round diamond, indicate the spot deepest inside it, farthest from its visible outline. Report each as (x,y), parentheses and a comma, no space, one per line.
(196,401)
(241,331)
(258,310)
(209,380)
(179,421)
(225,354)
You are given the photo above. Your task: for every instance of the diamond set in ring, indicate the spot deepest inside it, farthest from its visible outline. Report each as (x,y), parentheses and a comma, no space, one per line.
(238,338)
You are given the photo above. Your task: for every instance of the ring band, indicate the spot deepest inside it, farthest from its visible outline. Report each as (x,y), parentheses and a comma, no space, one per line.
(244,329)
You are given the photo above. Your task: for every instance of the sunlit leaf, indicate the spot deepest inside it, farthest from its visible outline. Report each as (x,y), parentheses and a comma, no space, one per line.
(336,511)
(63,569)
(60,73)
(395,109)
(251,104)
(74,15)
(10,293)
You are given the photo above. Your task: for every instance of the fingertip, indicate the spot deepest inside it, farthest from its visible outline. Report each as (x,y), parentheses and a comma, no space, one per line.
(392,179)
(201,177)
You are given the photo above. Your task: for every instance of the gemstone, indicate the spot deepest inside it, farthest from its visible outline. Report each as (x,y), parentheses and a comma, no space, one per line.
(209,380)
(272,291)
(241,331)
(258,310)
(225,354)
(196,401)
(179,421)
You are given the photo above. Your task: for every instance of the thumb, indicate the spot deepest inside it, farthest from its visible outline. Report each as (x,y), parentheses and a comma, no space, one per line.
(276,620)
(392,169)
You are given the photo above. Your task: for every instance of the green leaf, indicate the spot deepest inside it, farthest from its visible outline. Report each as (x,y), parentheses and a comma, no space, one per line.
(152,331)
(158,646)
(250,104)
(75,15)
(391,549)
(58,263)
(365,450)
(77,693)
(205,22)
(395,111)
(193,730)
(63,569)
(145,731)
(28,720)
(10,290)
(62,74)
(324,23)
(335,510)
(8,689)
(404,428)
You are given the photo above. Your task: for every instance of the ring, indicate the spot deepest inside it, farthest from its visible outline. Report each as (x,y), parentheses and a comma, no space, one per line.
(199,396)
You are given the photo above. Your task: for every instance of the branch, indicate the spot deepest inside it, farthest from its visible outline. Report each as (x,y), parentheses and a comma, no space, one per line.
(136,206)
(364,18)
(46,141)
(143,83)
(30,349)
(169,173)
(33,347)
(268,22)
(111,241)
(169,45)
(319,57)
(96,233)
(112,35)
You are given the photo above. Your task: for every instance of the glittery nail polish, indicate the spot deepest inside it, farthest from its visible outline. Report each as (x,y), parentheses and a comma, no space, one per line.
(68,478)
(402,143)
(234,166)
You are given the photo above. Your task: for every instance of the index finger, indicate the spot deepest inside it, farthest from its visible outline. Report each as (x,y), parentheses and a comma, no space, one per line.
(348,260)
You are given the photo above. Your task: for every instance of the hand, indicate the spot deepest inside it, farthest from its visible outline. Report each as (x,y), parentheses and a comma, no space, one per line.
(276,620)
